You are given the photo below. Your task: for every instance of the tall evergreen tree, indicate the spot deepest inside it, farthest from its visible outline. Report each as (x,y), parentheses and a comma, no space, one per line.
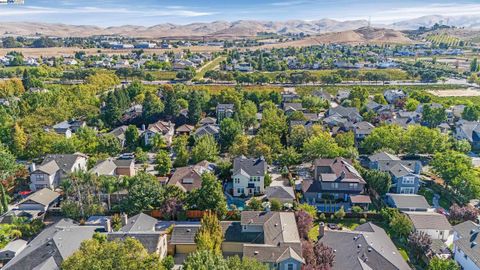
(210,236)
(194,108)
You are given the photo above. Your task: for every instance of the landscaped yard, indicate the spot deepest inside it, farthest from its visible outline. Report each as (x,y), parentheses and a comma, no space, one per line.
(347,223)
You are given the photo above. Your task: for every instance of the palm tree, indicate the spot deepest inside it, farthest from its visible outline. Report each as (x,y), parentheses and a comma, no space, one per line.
(109,186)
(67,186)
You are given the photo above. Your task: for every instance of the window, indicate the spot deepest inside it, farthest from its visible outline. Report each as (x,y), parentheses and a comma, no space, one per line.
(334,185)
(290,266)
(407,190)
(409,180)
(236,180)
(353,185)
(38,177)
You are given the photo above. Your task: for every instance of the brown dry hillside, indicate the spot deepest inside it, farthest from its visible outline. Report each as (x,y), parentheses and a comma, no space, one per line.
(359,36)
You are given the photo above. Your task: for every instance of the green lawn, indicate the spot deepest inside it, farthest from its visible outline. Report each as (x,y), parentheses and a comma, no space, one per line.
(209,66)
(348,223)
(163,75)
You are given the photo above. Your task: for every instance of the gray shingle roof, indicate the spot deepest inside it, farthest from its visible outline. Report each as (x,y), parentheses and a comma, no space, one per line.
(56,242)
(140,223)
(149,240)
(382,156)
(184,234)
(467,233)
(368,245)
(44,197)
(251,166)
(64,161)
(409,201)
(280,192)
(429,220)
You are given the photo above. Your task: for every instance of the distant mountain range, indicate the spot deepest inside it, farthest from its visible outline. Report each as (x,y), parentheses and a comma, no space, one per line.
(223,29)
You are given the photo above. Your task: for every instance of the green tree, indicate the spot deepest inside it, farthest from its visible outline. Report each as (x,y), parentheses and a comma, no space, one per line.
(181,152)
(433,116)
(401,225)
(205,148)
(229,130)
(170,99)
(320,146)
(442,264)
(131,137)
(275,205)
(98,253)
(471,113)
(378,180)
(289,157)
(235,263)
(19,139)
(411,104)
(210,235)
(8,164)
(255,205)
(340,214)
(298,135)
(423,140)
(248,114)
(108,144)
(384,137)
(152,107)
(205,260)
(194,108)
(163,163)
(209,196)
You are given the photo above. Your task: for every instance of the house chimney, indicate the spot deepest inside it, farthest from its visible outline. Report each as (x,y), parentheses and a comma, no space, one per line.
(33,167)
(143,127)
(321,230)
(108,225)
(124,219)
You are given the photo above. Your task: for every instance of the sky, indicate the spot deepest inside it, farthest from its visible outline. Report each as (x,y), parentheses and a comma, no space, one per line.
(150,12)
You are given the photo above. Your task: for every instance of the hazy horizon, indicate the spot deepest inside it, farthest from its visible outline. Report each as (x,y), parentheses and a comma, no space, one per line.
(150,12)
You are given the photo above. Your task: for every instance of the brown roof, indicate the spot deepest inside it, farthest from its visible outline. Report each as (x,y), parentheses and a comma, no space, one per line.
(185,128)
(190,177)
(360,199)
(159,127)
(338,169)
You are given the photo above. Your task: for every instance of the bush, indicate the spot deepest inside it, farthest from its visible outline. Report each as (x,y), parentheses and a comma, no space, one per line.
(340,214)
(322,217)
(357,209)
(362,221)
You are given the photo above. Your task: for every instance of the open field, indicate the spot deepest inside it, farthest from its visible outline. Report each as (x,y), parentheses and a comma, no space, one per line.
(455,93)
(209,66)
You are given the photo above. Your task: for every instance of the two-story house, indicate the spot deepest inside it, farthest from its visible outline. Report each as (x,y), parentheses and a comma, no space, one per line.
(350,113)
(114,167)
(160,128)
(268,237)
(405,173)
(470,131)
(189,178)
(54,168)
(248,176)
(334,180)
(224,111)
(466,251)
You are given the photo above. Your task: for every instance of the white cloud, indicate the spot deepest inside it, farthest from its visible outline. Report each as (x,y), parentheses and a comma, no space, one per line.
(35,10)
(452,9)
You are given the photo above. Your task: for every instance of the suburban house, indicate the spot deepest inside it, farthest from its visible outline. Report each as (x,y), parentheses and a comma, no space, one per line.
(190,177)
(269,237)
(405,173)
(224,111)
(114,167)
(248,176)
(434,224)
(466,251)
(408,202)
(349,113)
(289,108)
(119,133)
(32,207)
(212,130)
(283,194)
(12,249)
(362,129)
(160,128)
(391,96)
(52,246)
(334,180)
(470,131)
(55,167)
(366,247)
(142,227)
(208,121)
(184,130)
(67,128)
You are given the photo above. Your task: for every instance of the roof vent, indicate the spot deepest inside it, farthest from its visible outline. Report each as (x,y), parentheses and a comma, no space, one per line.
(189,230)
(473,244)
(472,231)
(359,246)
(276,224)
(255,252)
(369,249)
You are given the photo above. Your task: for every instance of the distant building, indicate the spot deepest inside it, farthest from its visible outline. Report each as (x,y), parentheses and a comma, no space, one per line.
(224,111)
